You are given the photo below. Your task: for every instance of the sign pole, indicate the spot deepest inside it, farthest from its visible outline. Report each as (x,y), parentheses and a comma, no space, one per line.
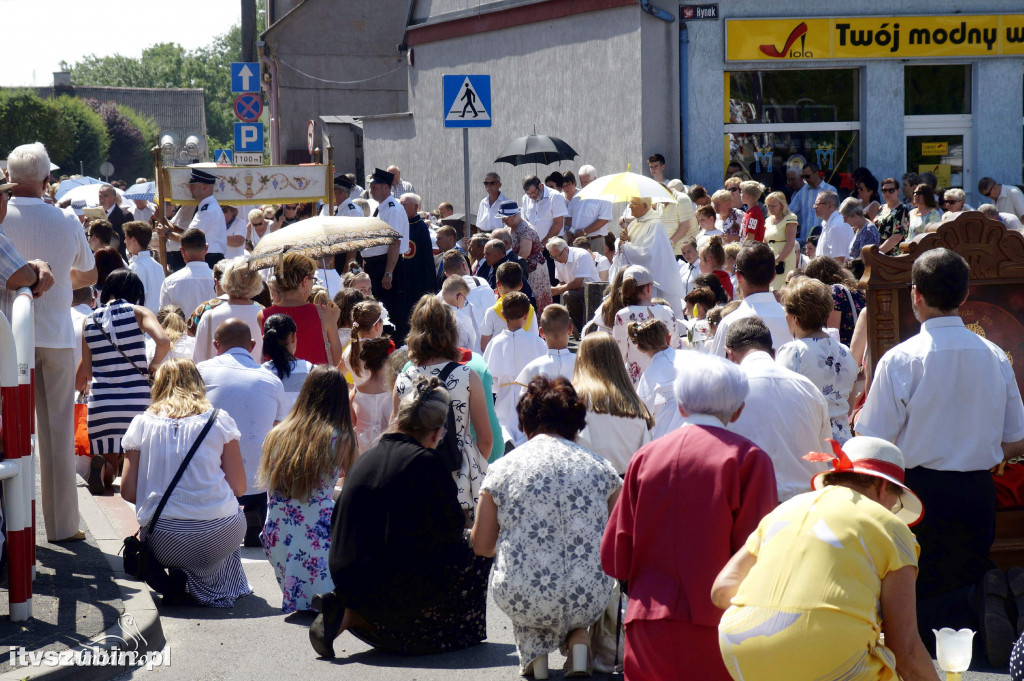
(160,214)
(330,176)
(465,179)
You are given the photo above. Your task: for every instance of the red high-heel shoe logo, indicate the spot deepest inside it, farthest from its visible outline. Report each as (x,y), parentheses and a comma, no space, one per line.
(799,32)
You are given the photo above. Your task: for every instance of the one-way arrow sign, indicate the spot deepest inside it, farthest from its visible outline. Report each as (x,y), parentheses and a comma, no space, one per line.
(245,76)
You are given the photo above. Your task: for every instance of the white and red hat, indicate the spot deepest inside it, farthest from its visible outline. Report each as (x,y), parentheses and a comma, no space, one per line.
(876,457)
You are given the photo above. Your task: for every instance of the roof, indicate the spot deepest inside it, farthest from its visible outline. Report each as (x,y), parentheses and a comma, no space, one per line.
(180,111)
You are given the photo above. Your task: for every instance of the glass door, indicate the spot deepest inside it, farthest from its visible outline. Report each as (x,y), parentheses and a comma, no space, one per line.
(940,145)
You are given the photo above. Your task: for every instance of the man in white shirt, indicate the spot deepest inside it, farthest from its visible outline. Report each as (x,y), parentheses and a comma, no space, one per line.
(784,414)
(384,264)
(144,210)
(543,208)
(755,271)
(574,267)
(255,399)
(193,284)
(487,217)
(802,201)
(41,231)
(689,266)
(209,218)
(137,236)
(1008,199)
(836,235)
(235,228)
(1009,220)
(949,400)
(343,198)
(587,217)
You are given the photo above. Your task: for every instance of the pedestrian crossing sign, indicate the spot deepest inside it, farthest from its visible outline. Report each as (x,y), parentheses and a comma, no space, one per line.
(467,101)
(222,157)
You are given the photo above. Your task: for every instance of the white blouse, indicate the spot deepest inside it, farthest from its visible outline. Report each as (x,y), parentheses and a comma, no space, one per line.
(203,492)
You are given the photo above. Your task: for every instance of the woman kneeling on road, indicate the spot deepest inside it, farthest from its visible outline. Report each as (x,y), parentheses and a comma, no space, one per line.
(405,578)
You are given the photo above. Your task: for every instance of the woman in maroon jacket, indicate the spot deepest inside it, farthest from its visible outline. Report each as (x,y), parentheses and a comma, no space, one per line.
(689,501)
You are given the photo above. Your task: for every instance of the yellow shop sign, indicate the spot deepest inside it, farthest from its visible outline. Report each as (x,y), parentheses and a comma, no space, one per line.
(955,35)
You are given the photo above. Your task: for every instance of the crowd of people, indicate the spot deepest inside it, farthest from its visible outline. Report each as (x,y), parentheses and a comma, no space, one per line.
(691,479)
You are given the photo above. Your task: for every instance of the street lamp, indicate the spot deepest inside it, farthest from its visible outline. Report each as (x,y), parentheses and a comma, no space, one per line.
(953,651)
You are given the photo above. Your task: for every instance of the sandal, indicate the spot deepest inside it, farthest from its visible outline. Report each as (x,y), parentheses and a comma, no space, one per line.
(96,464)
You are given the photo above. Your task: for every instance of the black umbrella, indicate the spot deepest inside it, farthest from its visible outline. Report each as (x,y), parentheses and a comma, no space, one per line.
(536,149)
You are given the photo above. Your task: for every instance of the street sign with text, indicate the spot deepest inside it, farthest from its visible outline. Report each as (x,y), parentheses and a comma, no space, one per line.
(697,12)
(245,76)
(248,159)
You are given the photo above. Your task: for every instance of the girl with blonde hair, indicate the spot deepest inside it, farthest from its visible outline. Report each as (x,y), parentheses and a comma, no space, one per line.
(752,227)
(618,422)
(303,456)
(317,335)
(198,533)
(367,322)
(780,232)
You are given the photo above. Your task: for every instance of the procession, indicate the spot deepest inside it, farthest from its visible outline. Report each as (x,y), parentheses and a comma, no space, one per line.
(757,419)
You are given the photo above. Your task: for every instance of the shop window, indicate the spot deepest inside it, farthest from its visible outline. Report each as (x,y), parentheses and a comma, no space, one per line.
(792,96)
(937,90)
(777,120)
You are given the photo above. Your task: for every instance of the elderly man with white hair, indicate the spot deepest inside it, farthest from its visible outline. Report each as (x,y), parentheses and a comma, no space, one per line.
(488,218)
(587,217)
(724,484)
(41,231)
(644,242)
(1008,219)
(574,267)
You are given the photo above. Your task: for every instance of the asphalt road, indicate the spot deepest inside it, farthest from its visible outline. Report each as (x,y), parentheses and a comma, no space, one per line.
(254,640)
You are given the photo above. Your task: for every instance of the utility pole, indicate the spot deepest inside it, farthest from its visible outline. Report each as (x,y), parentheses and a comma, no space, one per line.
(249,30)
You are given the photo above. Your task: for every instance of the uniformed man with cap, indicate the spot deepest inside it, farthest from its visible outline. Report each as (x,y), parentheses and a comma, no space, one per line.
(342,190)
(208,218)
(384,263)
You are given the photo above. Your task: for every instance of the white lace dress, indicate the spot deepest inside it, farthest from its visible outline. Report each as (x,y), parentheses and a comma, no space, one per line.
(552,498)
(636,361)
(471,474)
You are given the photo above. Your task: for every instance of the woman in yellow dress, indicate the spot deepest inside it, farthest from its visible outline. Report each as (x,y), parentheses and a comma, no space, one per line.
(780,228)
(825,574)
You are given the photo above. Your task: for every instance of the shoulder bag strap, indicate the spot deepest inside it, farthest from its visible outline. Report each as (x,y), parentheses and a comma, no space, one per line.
(447,371)
(110,340)
(181,469)
(853,305)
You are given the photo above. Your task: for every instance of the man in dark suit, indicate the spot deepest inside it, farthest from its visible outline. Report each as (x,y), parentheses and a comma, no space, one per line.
(115,216)
(446,241)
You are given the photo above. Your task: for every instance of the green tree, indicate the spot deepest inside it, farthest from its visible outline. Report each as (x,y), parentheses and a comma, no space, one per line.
(92,141)
(25,117)
(169,65)
(131,136)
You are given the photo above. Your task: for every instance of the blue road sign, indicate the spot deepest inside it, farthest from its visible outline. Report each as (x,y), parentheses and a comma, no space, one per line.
(248,137)
(467,101)
(248,107)
(223,157)
(245,76)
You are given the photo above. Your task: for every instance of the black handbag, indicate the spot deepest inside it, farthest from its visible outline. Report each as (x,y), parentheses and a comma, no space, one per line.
(139,559)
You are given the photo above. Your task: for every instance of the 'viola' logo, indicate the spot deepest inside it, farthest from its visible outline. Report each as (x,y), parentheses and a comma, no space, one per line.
(799,32)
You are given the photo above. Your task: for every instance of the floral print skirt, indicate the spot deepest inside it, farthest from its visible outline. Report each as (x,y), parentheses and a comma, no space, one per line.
(296,538)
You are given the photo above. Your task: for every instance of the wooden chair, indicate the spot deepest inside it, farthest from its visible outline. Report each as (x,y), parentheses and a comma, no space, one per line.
(994,309)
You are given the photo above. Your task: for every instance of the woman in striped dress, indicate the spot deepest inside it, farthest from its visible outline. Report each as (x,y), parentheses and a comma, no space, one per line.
(114,368)
(198,534)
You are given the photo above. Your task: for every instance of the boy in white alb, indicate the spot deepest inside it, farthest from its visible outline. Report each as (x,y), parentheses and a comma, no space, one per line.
(506,356)
(508,279)
(480,296)
(454,292)
(555,328)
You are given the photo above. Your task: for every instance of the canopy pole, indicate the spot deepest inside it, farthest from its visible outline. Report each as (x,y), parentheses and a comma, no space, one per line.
(160,214)
(465,177)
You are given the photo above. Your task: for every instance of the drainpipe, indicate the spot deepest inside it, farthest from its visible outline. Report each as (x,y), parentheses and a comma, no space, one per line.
(270,68)
(684,45)
(656,12)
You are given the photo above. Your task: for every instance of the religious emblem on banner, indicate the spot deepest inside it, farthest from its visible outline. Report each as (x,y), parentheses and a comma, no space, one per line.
(763,155)
(826,155)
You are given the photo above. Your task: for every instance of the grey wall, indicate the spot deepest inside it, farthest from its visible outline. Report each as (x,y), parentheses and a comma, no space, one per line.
(578,78)
(316,41)
(997,82)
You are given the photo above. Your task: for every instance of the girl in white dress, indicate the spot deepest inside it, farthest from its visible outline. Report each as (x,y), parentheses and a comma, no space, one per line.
(655,386)
(371,400)
(637,291)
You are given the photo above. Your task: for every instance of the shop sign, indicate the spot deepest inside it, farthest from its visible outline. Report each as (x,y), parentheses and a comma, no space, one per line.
(943,172)
(982,35)
(934,148)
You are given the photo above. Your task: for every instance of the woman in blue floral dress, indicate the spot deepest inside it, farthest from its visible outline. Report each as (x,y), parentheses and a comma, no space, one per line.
(813,353)
(303,457)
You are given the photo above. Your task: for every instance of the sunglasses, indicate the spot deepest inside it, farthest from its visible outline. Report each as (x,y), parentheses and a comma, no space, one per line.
(807,177)
(889,190)
(258,224)
(949,202)
(987,194)
(488,183)
(290,207)
(734,189)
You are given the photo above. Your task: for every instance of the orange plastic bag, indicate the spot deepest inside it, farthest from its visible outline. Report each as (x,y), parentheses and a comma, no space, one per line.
(82,430)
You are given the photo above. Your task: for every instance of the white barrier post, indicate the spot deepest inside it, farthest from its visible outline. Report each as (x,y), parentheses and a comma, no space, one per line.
(23,326)
(16,469)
